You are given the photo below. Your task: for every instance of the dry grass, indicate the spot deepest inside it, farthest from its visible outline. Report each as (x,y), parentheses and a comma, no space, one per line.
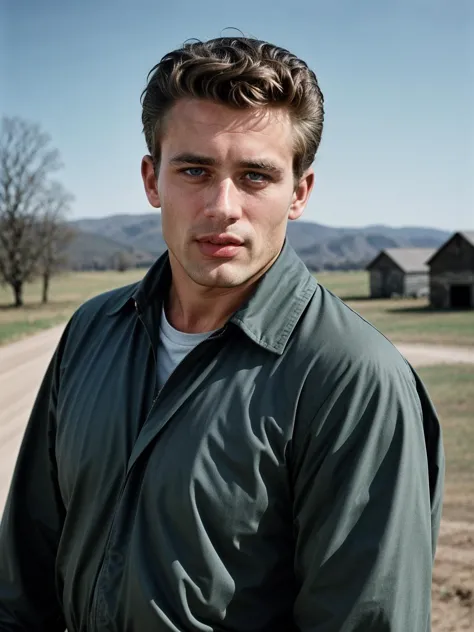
(68,291)
(452,391)
(451,387)
(402,320)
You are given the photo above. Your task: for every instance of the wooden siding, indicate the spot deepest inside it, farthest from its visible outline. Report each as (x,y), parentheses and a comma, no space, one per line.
(416,284)
(454,265)
(386,278)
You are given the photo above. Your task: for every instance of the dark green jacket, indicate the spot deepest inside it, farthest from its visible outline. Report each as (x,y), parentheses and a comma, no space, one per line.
(287,477)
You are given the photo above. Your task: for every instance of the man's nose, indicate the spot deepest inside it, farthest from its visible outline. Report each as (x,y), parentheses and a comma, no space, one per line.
(223,201)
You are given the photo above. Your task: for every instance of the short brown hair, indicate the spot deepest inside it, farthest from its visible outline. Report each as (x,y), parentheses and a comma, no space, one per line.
(239,72)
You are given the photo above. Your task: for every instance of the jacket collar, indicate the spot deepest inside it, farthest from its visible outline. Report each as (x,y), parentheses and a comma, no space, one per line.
(281,295)
(268,317)
(153,286)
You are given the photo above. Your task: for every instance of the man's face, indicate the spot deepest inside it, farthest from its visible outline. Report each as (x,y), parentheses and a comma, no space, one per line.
(226,190)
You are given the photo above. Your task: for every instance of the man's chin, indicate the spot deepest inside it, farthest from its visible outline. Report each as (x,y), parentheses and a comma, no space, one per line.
(221,276)
(222,282)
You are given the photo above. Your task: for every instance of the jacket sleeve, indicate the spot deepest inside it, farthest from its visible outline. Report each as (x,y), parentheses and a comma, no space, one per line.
(368,477)
(32,522)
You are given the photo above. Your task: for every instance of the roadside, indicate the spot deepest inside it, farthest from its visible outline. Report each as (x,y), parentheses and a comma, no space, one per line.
(453,578)
(22,366)
(426,355)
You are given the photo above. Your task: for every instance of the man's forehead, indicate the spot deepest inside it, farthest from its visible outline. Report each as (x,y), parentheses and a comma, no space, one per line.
(208,130)
(202,113)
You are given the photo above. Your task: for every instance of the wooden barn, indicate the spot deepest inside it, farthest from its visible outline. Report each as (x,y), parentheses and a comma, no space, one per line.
(452,272)
(399,271)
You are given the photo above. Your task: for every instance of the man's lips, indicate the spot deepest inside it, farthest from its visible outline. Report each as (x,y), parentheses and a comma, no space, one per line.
(221,246)
(222,239)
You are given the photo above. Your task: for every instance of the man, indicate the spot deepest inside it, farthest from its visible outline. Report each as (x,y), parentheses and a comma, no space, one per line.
(225,445)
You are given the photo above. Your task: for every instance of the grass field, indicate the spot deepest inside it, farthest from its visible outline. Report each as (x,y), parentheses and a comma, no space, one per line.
(67,292)
(452,390)
(451,387)
(402,320)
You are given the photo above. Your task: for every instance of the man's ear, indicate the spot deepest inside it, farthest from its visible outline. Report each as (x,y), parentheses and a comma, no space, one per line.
(150,181)
(301,194)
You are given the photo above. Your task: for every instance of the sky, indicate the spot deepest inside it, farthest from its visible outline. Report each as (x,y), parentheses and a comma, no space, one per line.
(397,77)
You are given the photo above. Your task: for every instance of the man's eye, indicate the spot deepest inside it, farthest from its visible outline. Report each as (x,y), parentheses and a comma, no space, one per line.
(256,177)
(194,171)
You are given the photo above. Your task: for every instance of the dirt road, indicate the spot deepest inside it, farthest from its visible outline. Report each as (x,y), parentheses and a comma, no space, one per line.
(424,355)
(22,365)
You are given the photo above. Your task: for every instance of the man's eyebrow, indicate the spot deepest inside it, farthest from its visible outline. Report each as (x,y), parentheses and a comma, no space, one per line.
(193,159)
(261,165)
(207,161)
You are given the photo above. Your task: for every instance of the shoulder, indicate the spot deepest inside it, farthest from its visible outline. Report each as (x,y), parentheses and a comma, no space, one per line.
(357,383)
(105,304)
(95,316)
(108,302)
(349,361)
(339,336)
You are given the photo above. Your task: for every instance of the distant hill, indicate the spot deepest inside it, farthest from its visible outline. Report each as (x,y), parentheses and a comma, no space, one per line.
(88,250)
(320,247)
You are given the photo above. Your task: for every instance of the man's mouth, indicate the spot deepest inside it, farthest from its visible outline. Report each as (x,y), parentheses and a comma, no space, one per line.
(220,246)
(222,239)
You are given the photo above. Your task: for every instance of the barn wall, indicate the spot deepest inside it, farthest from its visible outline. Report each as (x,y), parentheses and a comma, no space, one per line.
(376,283)
(416,283)
(440,287)
(385,279)
(453,266)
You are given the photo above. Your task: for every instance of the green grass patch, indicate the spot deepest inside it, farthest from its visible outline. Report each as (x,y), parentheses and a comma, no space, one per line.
(351,285)
(451,388)
(15,330)
(67,292)
(401,320)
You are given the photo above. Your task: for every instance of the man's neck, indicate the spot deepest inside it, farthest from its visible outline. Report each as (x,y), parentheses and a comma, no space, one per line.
(193,308)
(204,309)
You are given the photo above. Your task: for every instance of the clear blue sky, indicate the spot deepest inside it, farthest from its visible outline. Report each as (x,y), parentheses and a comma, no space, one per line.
(397,75)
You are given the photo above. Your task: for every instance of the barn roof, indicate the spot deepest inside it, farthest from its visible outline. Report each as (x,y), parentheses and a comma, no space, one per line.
(467,235)
(407,259)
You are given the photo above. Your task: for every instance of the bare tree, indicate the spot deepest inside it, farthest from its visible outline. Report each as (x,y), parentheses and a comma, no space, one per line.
(121,261)
(26,161)
(53,233)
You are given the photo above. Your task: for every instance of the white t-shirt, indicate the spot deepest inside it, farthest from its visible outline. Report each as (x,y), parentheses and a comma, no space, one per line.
(174,345)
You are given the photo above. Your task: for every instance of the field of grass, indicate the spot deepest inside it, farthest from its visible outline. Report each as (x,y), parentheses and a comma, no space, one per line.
(67,292)
(347,285)
(402,320)
(451,388)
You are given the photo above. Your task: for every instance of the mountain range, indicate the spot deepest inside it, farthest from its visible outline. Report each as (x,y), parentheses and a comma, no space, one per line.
(139,239)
